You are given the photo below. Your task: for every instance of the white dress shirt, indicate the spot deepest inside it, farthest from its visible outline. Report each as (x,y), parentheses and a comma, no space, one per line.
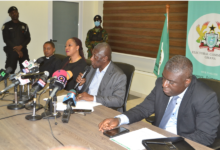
(171,124)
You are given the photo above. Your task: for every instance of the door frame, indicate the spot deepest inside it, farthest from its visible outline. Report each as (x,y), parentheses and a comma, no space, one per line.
(50,19)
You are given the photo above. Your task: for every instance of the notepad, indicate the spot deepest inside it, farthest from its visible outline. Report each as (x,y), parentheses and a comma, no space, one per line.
(79,105)
(133,140)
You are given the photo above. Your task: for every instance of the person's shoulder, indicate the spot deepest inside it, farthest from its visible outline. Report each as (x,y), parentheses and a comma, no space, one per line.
(116,69)
(91,30)
(6,24)
(82,62)
(23,23)
(103,30)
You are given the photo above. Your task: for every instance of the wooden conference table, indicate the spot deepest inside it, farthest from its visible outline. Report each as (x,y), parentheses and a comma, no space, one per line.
(17,133)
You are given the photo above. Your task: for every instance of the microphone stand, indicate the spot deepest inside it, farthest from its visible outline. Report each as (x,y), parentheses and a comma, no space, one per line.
(34,117)
(55,113)
(24,96)
(51,113)
(67,113)
(31,104)
(6,84)
(16,105)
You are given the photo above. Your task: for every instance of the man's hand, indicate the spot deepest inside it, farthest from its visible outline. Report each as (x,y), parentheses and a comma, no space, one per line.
(18,48)
(20,54)
(84,96)
(80,80)
(108,124)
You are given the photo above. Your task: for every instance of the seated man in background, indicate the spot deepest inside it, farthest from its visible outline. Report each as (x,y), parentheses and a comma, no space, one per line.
(182,105)
(50,60)
(105,83)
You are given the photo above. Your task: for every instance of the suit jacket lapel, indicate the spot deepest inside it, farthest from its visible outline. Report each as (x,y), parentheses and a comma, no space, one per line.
(106,78)
(89,79)
(186,100)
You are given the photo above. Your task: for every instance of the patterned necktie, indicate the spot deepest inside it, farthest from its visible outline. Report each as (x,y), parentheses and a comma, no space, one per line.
(168,112)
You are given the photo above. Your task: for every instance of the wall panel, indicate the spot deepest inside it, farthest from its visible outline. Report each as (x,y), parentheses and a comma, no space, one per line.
(135,27)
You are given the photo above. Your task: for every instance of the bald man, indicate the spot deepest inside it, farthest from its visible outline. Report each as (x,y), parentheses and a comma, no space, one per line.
(105,83)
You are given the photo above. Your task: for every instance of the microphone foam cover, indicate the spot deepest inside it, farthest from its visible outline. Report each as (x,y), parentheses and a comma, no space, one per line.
(8,70)
(40,60)
(72,91)
(69,75)
(60,72)
(46,73)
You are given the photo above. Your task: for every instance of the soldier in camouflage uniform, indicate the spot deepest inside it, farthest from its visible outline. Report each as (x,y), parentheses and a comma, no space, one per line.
(95,35)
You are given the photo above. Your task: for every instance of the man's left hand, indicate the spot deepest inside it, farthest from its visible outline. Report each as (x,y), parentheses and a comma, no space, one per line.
(84,96)
(18,48)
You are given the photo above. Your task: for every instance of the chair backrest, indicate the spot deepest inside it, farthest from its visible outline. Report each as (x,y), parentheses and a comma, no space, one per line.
(215,86)
(88,62)
(60,56)
(129,72)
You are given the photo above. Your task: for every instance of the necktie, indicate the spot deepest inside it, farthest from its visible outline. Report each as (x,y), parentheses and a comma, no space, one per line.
(168,112)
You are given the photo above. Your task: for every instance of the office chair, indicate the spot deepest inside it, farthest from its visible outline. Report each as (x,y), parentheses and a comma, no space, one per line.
(215,86)
(129,72)
(60,56)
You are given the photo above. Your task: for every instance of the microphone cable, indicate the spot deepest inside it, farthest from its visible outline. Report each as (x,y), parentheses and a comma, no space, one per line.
(30,113)
(4,94)
(15,115)
(3,105)
(51,130)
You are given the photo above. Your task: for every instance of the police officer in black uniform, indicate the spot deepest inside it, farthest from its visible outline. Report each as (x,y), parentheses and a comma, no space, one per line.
(16,37)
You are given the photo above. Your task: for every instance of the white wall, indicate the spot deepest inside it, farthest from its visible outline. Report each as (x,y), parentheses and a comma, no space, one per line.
(33,13)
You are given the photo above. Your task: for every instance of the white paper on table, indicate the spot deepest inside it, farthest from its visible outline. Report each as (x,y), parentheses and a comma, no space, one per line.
(133,140)
(79,104)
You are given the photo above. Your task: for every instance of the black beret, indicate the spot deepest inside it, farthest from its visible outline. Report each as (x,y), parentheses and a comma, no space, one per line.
(97,17)
(12,8)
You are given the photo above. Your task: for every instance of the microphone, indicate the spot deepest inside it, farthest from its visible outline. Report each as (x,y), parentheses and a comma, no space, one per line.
(87,69)
(60,82)
(15,83)
(31,65)
(51,79)
(70,98)
(34,75)
(39,60)
(39,85)
(32,70)
(5,73)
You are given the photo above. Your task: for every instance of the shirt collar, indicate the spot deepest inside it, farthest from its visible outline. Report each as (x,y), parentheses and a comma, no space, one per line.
(49,57)
(182,94)
(104,70)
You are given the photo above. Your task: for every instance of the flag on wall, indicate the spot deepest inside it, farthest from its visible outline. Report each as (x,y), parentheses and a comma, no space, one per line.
(203,38)
(163,51)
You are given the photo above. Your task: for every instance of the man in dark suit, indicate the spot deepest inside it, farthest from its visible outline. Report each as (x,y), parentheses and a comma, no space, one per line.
(105,83)
(182,105)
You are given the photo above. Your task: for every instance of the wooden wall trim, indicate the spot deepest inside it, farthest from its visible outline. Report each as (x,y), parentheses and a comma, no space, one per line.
(135,27)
